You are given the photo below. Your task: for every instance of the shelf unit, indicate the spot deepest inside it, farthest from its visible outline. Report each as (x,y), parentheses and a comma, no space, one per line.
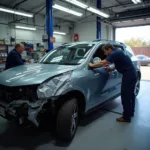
(4,50)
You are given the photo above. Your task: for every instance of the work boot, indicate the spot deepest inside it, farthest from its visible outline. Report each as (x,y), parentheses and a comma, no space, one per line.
(121,119)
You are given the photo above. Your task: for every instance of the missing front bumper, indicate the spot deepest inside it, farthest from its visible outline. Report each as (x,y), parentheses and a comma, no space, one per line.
(23,110)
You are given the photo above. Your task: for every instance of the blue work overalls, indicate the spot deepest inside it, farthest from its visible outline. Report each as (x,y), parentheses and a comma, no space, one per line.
(125,66)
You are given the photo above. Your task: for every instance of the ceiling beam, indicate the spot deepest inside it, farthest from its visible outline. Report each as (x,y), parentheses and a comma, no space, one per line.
(120,3)
(126,4)
(135,25)
(19,3)
(38,12)
(37,7)
(144,12)
(64,18)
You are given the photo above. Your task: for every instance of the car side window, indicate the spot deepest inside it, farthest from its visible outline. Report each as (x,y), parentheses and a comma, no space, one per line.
(100,53)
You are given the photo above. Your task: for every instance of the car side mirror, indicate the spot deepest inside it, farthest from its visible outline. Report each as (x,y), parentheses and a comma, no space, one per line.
(96,60)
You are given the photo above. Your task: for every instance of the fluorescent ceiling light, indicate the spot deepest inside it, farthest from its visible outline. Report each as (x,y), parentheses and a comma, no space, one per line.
(75,2)
(117,22)
(61,33)
(25,28)
(67,10)
(139,1)
(136,1)
(98,12)
(138,20)
(23,14)
(126,21)
(84,6)
(7,10)
(13,11)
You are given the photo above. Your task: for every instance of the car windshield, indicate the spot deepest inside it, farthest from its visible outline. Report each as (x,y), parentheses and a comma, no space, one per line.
(73,54)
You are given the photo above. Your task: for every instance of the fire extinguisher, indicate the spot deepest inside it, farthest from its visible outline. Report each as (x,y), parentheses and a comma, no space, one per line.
(76,37)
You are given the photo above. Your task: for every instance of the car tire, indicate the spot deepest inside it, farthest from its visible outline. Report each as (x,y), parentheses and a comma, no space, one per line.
(67,120)
(137,87)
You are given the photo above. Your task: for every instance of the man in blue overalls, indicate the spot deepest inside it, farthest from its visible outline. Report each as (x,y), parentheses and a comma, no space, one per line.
(123,65)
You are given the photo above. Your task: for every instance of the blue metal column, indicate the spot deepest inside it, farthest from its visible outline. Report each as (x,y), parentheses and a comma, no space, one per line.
(98,21)
(49,22)
(114,33)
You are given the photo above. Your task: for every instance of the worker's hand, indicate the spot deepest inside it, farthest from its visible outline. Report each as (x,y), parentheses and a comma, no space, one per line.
(28,61)
(107,68)
(90,65)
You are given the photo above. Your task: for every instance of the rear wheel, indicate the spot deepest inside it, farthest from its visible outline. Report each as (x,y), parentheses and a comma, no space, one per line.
(137,87)
(67,120)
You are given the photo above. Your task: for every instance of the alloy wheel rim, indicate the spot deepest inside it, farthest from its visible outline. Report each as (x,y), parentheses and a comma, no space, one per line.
(74,120)
(137,87)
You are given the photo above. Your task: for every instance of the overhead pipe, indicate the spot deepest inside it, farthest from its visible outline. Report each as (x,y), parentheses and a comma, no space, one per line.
(17,20)
(19,3)
(136,6)
(39,10)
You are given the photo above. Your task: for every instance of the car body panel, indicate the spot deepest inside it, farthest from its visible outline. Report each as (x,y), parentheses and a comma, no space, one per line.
(32,74)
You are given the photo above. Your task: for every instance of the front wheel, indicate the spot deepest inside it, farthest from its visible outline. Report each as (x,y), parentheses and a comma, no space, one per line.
(67,120)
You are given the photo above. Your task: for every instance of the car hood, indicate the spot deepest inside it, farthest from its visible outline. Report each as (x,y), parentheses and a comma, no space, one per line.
(31,74)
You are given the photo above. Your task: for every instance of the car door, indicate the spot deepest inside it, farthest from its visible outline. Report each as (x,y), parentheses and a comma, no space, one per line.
(97,79)
(112,87)
(102,85)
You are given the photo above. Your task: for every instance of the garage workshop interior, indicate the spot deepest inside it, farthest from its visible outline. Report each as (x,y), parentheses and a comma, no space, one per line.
(74,74)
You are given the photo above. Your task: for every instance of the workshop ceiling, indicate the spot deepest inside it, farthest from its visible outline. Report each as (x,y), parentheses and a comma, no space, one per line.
(112,7)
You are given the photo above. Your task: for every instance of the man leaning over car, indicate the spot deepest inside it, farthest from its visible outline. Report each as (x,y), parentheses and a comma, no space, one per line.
(123,65)
(14,57)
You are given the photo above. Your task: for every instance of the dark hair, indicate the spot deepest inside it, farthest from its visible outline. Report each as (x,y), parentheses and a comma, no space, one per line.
(107,46)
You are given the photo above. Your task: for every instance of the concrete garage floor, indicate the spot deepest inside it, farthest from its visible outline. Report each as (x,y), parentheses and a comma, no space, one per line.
(98,131)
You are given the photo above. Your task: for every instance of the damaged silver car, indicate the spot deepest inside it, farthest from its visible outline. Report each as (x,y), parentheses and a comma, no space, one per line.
(61,87)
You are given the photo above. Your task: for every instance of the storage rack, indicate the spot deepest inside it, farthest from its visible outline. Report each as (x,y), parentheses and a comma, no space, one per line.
(4,50)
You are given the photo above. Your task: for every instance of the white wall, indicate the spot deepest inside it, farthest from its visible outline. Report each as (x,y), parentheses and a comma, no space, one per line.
(87,30)
(29,36)
(106,31)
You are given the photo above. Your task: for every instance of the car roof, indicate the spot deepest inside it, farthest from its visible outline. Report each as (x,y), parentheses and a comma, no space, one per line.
(109,41)
(103,41)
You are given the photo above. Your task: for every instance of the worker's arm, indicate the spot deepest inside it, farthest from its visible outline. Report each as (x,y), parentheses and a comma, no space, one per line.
(24,60)
(109,68)
(99,64)
(112,69)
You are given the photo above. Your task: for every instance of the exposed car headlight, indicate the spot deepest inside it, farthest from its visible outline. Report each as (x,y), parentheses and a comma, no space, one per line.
(54,86)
